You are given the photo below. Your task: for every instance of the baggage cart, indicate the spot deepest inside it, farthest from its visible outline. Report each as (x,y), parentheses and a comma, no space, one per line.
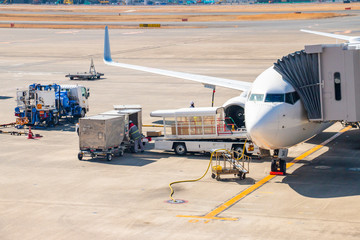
(101,136)
(225,162)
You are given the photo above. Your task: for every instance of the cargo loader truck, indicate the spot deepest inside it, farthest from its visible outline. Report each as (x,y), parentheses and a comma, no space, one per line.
(201,130)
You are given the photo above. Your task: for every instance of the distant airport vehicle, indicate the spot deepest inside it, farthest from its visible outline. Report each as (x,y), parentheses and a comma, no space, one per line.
(279,113)
(201,130)
(91,75)
(48,103)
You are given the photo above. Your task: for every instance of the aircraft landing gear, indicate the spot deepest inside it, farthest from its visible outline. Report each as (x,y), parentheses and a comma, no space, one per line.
(278,165)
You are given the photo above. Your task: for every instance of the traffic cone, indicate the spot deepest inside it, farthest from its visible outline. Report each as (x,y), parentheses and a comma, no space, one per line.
(30,134)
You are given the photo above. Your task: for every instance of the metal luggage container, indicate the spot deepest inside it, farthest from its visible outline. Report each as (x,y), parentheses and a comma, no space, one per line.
(129,112)
(101,135)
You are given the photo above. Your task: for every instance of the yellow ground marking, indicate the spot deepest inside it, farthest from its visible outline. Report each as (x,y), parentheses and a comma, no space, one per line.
(314,149)
(213,214)
(209,218)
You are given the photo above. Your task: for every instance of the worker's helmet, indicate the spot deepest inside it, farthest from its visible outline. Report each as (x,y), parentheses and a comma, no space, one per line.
(130,122)
(192,102)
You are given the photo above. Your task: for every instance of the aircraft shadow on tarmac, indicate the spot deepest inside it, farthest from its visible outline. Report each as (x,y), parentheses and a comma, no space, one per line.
(333,174)
(5,97)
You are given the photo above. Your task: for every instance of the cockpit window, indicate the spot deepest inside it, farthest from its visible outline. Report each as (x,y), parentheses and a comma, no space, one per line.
(274,97)
(256,97)
(292,97)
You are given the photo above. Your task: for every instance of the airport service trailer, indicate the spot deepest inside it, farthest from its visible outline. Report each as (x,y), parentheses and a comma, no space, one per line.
(201,130)
(101,135)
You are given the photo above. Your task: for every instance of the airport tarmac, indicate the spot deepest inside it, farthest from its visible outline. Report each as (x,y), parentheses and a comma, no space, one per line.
(46,193)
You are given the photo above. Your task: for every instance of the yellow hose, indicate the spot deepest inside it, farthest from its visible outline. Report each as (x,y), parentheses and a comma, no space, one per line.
(194,180)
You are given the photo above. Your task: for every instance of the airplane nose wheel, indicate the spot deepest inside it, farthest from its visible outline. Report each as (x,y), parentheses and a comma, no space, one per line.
(278,166)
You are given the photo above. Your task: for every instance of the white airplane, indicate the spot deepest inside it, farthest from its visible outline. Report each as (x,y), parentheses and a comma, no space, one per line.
(275,116)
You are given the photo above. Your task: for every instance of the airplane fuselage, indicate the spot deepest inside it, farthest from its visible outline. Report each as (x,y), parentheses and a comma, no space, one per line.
(274,114)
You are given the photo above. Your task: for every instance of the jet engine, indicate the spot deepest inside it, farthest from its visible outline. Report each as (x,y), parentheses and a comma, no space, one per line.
(234,111)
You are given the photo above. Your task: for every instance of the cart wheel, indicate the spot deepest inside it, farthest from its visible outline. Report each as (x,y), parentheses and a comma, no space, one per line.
(132,149)
(213,175)
(80,155)
(243,176)
(180,149)
(218,177)
(71,78)
(55,120)
(109,157)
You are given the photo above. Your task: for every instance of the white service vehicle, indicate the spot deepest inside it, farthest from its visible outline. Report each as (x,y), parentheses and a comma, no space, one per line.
(201,130)
(80,95)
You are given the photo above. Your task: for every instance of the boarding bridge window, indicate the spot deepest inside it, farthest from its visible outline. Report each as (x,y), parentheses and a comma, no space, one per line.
(292,97)
(337,85)
(274,97)
(256,97)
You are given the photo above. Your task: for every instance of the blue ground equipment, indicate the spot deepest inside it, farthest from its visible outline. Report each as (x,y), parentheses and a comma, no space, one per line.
(46,104)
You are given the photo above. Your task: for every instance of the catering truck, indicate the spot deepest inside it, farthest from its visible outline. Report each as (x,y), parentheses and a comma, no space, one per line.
(201,130)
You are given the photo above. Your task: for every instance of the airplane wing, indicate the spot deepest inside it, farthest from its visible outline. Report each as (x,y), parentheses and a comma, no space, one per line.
(343,37)
(222,82)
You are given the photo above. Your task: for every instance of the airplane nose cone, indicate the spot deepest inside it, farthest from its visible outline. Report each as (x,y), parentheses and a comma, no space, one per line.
(262,124)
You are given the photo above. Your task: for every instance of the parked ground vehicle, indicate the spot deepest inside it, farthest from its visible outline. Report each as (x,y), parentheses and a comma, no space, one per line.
(201,130)
(91,75)
(46,104)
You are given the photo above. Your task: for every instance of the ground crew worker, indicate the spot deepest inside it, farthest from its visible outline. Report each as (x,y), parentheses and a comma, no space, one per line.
(192,104)
(136,136)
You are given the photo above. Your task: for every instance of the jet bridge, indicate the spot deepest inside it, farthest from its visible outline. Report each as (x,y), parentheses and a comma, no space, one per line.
(327,79)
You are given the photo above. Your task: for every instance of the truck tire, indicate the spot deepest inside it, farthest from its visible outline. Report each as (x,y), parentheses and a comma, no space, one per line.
(108,157)
(82,114)
(55,119)
(180,149)
(239,149)
(80,156)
